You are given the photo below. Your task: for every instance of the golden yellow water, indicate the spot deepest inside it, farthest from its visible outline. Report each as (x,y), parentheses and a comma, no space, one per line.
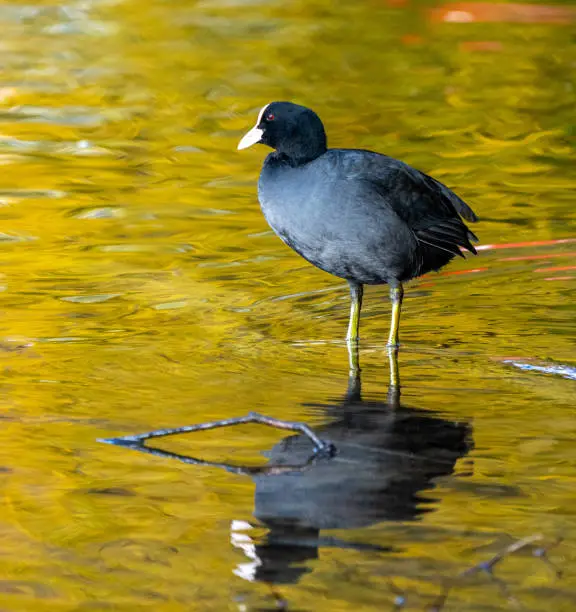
(141,288)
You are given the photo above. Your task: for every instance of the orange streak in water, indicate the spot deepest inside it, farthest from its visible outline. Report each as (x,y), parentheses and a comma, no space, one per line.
(556,269)
(456,272)
(520,245)
(543,256)
(500,12)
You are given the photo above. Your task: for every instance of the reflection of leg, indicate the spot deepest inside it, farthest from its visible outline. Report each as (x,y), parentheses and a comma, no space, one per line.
(394,386)
(354,378)
(356,291)
(396,295)
(252,417)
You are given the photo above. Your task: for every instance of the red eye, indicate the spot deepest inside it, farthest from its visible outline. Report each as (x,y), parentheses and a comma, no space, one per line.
(270,117)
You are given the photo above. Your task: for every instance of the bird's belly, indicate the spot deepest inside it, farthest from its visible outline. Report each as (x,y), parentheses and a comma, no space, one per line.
(345,257)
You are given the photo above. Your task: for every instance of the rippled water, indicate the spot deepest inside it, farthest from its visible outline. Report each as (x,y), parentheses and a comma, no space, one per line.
(141,289)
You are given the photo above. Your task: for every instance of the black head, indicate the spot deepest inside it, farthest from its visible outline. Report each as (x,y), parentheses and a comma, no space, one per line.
(292,130)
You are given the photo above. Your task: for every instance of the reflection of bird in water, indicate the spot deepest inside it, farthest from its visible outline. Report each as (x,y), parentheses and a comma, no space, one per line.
(387,454)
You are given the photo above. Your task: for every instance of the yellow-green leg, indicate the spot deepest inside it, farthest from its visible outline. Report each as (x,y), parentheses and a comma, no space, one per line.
(353,356)
(356,291)
(396,295)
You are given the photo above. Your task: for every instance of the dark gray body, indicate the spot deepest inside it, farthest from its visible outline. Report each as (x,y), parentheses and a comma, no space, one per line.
(363,216)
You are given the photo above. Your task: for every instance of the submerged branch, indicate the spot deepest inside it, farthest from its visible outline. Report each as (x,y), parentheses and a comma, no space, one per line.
(322,449)
(487,567)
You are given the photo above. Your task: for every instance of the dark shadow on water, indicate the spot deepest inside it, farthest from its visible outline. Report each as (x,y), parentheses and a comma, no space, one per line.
(387,457)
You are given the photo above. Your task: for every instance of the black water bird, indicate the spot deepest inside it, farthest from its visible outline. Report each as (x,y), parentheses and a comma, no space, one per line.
(357,214)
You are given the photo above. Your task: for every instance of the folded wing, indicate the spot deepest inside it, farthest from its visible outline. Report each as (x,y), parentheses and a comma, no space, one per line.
(431,210)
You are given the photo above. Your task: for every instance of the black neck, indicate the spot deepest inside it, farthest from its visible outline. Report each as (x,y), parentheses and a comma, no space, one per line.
(298,153)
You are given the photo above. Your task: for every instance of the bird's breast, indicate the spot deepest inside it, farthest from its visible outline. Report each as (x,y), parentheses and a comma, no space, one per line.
(296,209)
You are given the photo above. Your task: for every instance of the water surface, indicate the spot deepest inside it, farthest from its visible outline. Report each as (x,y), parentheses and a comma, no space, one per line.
(141,288)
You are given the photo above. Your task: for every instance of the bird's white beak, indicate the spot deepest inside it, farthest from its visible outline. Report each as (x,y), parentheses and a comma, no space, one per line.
(250,138)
